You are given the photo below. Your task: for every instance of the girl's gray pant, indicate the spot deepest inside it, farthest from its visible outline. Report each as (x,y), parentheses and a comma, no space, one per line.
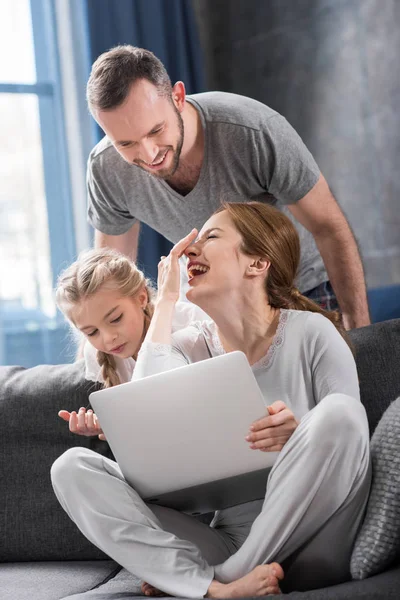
(314,503)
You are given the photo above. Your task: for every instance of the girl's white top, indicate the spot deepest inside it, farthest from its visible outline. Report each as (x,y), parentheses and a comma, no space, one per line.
(185,313)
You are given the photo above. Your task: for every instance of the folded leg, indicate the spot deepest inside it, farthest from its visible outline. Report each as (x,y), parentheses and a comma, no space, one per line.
(315,500)
(170,550)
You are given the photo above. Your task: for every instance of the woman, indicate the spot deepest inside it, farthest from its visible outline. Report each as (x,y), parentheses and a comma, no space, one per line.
(241,272)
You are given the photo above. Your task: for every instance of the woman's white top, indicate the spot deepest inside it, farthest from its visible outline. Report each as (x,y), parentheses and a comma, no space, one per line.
(307,360)
(185,313)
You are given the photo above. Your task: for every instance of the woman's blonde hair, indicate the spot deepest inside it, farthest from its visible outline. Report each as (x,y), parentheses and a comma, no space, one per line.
(269,233)
(92,270)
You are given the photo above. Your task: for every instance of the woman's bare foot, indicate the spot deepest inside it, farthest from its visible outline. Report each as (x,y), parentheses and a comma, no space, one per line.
(149,590)
(261,581)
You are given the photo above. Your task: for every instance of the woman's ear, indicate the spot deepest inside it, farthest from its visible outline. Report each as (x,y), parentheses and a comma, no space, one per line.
(258,266)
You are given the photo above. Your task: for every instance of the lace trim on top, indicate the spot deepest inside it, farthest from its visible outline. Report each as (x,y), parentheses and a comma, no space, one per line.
(155,347)
(276,343)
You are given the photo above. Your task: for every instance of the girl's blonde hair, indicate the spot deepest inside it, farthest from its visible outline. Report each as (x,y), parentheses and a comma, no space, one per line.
(269,233)
(92,270)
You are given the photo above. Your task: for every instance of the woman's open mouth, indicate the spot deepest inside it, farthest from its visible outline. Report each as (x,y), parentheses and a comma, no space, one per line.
(196,270)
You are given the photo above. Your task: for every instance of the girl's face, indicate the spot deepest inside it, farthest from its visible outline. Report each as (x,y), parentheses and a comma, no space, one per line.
(111,323)
(216,265)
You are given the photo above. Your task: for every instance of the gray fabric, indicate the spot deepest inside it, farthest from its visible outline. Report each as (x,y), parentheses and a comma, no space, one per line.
(251,152)
(33,526)
(378,542)
(51,580)
(378,357)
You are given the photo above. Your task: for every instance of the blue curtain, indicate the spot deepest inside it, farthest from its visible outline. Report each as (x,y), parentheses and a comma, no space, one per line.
(167,28)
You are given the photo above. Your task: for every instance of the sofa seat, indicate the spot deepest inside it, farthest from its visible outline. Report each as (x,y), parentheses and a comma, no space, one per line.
(385,586)
(52,580)
(104,580)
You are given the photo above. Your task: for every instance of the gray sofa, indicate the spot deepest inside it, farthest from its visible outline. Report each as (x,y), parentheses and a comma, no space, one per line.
(42,554)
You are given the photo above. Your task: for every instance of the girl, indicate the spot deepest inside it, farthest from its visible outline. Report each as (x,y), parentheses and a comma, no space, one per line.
(110,302)
(241,272)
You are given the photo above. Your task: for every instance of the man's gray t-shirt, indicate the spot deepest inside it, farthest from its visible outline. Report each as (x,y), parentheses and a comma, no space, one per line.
(250,152)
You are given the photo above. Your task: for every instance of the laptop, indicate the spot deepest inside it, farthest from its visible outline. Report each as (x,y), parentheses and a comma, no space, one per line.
(179,436)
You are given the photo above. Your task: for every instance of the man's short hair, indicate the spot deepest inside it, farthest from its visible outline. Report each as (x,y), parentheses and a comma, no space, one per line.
(115,71)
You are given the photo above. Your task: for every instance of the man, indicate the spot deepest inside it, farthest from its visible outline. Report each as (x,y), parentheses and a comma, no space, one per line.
(168,160)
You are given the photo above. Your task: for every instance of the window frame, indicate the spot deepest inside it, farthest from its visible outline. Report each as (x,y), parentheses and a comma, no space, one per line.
(48,90)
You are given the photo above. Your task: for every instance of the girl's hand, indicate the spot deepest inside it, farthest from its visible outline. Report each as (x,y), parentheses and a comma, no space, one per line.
(169,275)
(271,433)
(83,423)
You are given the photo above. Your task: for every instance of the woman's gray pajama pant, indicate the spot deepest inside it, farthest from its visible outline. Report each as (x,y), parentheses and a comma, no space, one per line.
(315,499)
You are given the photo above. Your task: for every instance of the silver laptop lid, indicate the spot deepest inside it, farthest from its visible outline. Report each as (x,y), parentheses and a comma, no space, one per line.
(184,427)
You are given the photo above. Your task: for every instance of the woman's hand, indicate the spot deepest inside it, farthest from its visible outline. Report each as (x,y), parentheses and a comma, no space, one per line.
(83,423)
(169,275)
(271,433)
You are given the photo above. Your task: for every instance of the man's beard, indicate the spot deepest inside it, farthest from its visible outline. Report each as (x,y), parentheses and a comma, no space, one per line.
(167,173)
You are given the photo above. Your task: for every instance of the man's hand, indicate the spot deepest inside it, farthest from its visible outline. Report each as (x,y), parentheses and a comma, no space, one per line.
(271,433)
(83,423)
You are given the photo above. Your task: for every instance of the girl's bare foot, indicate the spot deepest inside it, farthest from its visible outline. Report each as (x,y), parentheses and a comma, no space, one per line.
(261,581)
(149,590)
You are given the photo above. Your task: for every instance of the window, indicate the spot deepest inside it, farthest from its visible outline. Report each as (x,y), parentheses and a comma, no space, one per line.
(36,224)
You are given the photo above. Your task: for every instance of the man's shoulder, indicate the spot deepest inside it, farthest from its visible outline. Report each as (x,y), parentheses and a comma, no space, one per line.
(233,109)
(105,151)
(105,164)
(104,160)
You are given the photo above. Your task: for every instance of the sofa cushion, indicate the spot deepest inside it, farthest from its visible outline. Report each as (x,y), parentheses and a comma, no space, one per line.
(378,542)
(52,580)
(33,526)
(377,350)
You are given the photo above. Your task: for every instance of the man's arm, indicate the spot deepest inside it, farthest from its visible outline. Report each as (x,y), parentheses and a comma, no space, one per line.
(319,212)
(126,243)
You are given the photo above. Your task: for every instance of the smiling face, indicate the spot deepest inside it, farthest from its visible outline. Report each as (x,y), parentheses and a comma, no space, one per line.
(216,265)
(147,129)
(111,323)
